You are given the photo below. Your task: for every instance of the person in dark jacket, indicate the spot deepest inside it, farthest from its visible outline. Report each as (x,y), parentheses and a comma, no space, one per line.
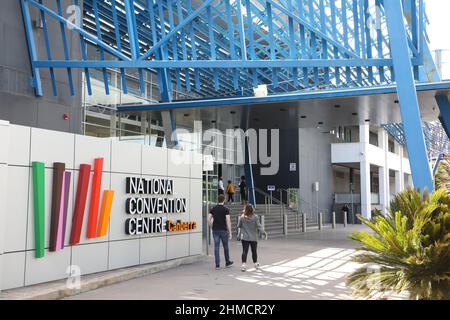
(250,230)
(243,190)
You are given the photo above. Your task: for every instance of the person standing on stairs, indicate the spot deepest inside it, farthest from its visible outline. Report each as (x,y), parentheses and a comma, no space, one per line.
(231,189)
(220,188)
(250,229)
(243,190)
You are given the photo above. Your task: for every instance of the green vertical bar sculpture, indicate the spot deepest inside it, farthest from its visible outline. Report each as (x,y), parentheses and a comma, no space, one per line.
(39,207)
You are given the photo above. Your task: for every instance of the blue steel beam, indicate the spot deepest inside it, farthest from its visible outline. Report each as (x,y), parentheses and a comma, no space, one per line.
(36,80)
(409,104)
(444,107)
(293,46)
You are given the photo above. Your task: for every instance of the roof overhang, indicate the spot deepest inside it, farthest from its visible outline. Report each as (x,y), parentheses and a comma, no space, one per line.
(327,108)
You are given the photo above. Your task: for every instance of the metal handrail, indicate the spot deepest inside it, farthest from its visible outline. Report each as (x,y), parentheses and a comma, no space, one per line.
(307,202)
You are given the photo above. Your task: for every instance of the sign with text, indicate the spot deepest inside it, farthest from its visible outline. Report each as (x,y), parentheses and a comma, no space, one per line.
(151,197)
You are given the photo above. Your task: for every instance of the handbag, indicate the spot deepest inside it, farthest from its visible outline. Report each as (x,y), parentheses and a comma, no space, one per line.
(239,235)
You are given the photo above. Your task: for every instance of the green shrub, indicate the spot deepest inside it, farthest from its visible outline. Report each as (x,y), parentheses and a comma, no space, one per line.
(410,246)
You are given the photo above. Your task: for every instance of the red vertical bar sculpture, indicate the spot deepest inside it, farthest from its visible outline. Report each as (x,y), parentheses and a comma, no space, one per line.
(95,198)
(58,174)
(80,203)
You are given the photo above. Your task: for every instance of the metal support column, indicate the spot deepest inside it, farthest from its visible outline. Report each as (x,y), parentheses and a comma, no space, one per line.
(444,107)
(249,175)
(406,89)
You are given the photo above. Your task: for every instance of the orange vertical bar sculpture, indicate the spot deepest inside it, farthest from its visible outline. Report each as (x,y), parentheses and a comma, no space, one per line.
(95,198)
(108,196)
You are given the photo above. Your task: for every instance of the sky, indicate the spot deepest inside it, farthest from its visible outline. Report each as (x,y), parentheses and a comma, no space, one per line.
(439,29)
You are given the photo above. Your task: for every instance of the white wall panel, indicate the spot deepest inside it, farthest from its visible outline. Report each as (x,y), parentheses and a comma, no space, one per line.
(153,249)
(52,146)
(15,221)
(52,266)
(91,258)
(345,153)
(154,161)
(19,148)
(196,209)
(195,243)
(13,270)
(123,253)
(178,163)
(177,245)
(196,165)
(126,157)
(4,141)
(89,148)
(3,202)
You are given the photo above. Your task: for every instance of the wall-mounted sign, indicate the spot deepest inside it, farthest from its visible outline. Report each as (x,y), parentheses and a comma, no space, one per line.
(292,167)
(145,204)
(271,188)
(208,163)
(316,186)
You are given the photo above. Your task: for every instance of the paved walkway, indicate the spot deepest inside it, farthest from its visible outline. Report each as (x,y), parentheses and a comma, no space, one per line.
(308,266)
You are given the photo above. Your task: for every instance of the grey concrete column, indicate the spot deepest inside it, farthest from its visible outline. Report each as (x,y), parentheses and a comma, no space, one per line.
(4,155)
(383,171)
(366,201)
(399,175)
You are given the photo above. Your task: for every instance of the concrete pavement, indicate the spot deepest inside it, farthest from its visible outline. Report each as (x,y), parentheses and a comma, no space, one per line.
(307,266)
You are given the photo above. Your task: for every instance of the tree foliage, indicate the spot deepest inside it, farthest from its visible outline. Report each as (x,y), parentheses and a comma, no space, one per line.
(410,247)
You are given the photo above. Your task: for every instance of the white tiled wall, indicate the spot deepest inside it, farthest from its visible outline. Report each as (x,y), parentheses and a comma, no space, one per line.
(4,150)
(153,249)
(90,258)
(13,270)
(18,265)
(126,157)
(52,267)
(52,146)
(154,161)
(123,253)
(15,233)
(177,246)
(195,243)
(19,151)
(88,148)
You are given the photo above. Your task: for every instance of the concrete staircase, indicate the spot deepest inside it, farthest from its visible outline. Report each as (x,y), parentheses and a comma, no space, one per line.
(274,220)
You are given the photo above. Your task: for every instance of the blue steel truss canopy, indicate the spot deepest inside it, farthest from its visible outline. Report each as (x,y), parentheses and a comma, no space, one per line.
(435,137)
(226,48)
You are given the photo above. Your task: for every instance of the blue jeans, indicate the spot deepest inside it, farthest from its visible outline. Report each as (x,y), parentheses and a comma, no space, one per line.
(218,236)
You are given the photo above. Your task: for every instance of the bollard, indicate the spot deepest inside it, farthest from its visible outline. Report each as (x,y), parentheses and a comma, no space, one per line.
(207,237)
(320,220)
(333,218)
(303,222)
(345,218)
(263,222)
(285,224)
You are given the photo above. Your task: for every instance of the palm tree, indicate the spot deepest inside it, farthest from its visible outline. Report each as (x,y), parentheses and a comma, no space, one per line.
(410,247)
(442,178)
